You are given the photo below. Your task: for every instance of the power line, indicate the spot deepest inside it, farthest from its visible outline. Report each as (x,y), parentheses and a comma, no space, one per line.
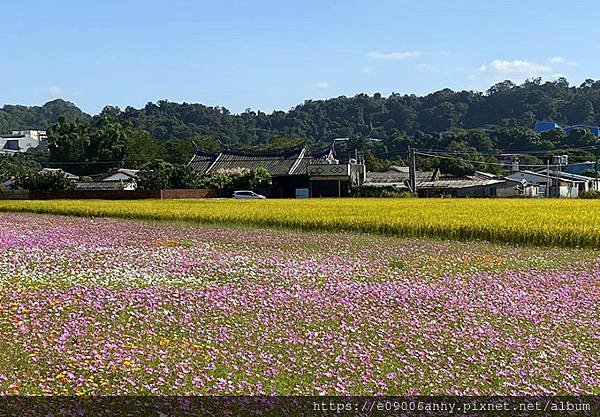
(517,152)
(484,162)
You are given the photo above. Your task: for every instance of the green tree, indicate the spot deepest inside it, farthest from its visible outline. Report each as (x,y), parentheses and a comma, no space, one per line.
(44,181)
(141,148)
(156,175)
(68,141)
(108,141)
(17,165)
(258,178)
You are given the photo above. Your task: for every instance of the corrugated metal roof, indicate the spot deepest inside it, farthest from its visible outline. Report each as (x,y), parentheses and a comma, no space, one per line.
(397,177)
(544,176)
(457,183)
(104,185)
(568,175)
(401,185)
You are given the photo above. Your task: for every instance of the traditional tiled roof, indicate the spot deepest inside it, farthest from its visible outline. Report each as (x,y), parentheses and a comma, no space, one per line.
(291,161)
(202,160)
(307,158)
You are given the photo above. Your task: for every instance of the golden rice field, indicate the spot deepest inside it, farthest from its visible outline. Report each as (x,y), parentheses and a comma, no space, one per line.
(571,223)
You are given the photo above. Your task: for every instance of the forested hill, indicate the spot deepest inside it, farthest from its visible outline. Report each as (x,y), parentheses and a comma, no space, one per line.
(396,120)
(504,104)
(16,117)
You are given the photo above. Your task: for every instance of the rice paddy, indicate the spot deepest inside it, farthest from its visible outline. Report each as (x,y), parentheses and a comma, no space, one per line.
(567,223)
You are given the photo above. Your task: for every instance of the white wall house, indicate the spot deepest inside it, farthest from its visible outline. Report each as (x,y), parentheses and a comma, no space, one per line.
(567,188)
(21,140)
(117,179)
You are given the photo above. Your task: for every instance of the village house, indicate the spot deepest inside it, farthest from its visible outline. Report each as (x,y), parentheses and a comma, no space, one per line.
(398,177)
(296,172)
(22,140)
(476,187)
(120,179)
(67,175)
(569,185)
(435,184)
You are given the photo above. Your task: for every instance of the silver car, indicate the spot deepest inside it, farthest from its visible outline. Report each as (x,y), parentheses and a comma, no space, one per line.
(245,194)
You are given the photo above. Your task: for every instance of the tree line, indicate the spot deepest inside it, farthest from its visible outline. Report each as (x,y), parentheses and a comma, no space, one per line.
(477,124)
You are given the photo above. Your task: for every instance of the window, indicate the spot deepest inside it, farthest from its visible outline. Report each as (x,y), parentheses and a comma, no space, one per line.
(12,145)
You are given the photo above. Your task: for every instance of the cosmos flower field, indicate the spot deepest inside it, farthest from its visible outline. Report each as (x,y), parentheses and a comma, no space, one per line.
(105,306)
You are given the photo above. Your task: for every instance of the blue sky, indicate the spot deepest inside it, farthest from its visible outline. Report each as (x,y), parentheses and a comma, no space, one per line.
(275,54)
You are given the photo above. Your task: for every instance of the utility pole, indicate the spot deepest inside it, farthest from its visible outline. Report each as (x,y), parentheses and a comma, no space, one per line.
(557,178)
(548,185)
(412,169)
(596,169)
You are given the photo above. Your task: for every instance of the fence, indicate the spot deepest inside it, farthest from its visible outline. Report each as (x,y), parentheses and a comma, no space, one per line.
(14,195)
(121,195)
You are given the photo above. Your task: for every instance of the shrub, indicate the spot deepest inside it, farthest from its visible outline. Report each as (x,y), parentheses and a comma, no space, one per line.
(592,194)
(45,181)
(378,192)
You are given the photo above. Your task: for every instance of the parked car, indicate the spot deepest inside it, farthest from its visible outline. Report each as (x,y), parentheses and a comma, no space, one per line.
(246,194)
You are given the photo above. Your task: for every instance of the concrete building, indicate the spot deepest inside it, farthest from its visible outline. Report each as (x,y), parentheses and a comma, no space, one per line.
(477,188)
(557,185)
(22,140)
(545,126)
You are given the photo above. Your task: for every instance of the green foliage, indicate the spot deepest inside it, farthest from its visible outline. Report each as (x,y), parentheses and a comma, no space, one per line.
(236,179)
(68,141)
(16,117)
(259,178)
(230,180)
(108,141)
(378,192)
(178,151)
(45,181)
(141,148)
(592,173)
(17,165)
(156,175)
(182,177)
(444,119)
(592,194)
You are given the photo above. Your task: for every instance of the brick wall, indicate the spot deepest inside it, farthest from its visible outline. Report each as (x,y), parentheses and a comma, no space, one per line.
(192,193)
(121,195)
(14,195)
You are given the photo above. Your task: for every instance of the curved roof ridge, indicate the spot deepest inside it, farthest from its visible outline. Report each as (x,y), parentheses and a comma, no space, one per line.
(226,149)
(202,152)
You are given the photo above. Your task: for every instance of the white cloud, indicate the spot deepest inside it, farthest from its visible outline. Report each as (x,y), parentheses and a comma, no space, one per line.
(561,60)
(367,69)
(519,68)
(425,67)
(55,90)
(446,53)
(322,84)
(396,56)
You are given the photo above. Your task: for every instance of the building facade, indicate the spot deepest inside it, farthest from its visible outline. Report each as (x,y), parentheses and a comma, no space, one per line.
(295,172)
(22,140)
(545,126)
